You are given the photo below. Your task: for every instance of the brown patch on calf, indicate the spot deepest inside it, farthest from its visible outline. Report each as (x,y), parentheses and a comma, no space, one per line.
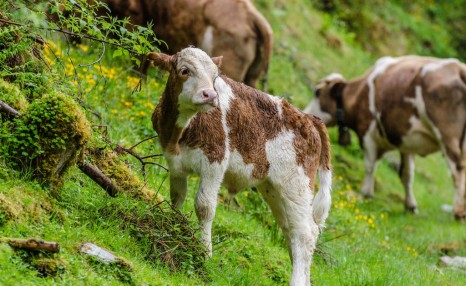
(251,113)
(205,131)
(307,140)
(166,113)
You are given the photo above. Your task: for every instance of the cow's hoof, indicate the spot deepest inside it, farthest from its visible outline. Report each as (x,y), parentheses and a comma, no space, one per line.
(411,209)
(368,196)
(461,217)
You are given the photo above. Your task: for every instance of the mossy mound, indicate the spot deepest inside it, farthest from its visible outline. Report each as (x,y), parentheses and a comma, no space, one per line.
(21,204)
(46,139)
(49,266)
(11,95)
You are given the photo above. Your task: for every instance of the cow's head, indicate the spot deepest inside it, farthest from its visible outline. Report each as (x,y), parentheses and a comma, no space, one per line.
(328,104)
(191,81)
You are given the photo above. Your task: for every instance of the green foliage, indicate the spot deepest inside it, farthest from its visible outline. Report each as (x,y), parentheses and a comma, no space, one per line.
(399,27)
(89,19)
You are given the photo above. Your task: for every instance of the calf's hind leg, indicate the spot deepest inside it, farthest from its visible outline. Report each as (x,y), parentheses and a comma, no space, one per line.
(293,212)
(178,189)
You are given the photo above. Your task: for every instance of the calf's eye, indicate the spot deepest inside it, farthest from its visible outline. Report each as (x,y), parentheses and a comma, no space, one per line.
(184,71)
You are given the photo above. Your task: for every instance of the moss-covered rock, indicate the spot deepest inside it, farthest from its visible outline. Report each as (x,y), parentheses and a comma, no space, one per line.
(49,266)
(46,139)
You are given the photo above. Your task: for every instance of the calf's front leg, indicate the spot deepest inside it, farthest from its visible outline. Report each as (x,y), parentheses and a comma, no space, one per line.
(205,205)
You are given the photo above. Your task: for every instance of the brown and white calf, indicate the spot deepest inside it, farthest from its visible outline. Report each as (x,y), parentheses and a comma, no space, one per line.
(227,132)
(414,104)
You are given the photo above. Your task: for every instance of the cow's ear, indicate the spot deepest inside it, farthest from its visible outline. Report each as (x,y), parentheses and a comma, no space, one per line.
(218,60)
(336,91)
(160,60)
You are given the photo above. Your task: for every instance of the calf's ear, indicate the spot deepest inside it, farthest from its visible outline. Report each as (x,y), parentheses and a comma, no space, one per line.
(160,60)
(218,60)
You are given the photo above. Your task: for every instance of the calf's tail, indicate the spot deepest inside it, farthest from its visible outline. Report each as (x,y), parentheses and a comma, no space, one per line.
(323,199)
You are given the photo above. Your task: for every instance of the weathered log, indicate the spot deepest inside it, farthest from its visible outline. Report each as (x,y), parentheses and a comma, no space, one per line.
(97,176)
(31,244)
(8,109)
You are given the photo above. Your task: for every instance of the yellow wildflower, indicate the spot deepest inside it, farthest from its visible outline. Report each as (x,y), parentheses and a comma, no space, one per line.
(83,48)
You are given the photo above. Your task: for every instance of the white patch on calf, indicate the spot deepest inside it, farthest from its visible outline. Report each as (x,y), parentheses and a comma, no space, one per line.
(239,174)
(208,40)
(430,67)
(278,103)
(284,171)
(225,95)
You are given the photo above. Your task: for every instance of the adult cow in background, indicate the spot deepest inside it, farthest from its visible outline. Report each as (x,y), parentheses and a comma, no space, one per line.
(414,104)
(233,29)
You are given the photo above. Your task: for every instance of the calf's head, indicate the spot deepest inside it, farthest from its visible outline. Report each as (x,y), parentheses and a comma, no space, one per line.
(190,84)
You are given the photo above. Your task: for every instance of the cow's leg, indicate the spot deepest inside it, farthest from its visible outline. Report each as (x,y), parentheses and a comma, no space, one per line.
(205,205)
(407,177)
(459,178)
(370,165)
(178,189)
(456,160)
(293,211)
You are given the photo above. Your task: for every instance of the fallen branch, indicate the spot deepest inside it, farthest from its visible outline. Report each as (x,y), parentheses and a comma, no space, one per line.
(100,178)
(142,159)
(8,109)
(31,244)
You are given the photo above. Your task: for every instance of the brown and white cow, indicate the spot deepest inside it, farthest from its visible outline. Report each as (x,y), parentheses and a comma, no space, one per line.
(232,29)
(227,132)
(414,104)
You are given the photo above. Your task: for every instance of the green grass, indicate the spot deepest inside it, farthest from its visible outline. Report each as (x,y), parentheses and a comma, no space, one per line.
(366,242)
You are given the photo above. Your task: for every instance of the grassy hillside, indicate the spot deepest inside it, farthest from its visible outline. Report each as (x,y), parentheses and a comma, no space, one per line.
(366,243)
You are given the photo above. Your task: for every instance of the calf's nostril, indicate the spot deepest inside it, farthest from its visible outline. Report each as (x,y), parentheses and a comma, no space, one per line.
(209,94)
